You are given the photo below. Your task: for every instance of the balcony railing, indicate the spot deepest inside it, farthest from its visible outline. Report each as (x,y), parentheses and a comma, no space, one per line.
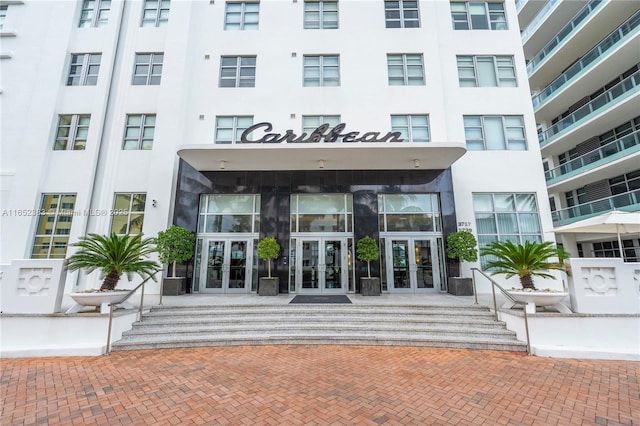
(583,211)
(541,16)
(565,32)
(616,149)
(617,37)
(620,91)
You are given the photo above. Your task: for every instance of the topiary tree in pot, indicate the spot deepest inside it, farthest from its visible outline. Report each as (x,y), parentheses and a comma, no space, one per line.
(463,247)
(175,245)
(268,249)
(367,250)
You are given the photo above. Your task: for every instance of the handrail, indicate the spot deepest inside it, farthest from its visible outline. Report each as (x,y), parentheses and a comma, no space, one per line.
(589,59)
(614,147)
(124,299)
(628,85)
(563,34)
(615,202)
(539,18)
(508,296)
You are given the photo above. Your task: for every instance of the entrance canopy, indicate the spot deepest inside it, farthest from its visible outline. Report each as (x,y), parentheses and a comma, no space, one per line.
(328,156)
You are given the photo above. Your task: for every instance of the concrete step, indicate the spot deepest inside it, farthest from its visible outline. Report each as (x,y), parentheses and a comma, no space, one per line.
(376,339)
(470,327)
(189,322)
(309,328)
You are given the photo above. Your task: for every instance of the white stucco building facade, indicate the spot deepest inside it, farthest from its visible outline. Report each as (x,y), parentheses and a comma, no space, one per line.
(130,115)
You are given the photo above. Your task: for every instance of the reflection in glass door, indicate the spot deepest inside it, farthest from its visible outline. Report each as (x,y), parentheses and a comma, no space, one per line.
(411,265)
(227,266)
(320,265)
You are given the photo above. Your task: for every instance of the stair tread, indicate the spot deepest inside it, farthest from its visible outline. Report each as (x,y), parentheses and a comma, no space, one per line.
(413,325)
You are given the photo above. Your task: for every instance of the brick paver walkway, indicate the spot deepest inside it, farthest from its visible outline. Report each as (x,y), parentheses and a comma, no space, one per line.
(319,385)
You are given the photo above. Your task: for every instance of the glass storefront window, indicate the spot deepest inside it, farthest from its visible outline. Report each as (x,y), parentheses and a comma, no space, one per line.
(229,213)
(409,213)
(321,213)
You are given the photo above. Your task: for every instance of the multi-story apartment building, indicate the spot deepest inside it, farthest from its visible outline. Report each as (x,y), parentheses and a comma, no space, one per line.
(583,66)
(315,122)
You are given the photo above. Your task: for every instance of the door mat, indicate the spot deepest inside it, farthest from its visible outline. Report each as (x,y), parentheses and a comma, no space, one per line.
(321,299)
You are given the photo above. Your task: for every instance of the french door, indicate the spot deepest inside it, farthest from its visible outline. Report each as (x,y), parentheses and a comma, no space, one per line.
(321,265)
(226,265)
(412,264)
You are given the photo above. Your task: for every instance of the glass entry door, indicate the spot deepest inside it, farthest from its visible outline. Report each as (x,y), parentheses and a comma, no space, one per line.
(226,265)
(412,265)
(321,265)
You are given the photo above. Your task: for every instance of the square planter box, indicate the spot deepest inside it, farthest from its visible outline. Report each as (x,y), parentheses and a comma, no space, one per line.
(370,286)
(173,286)
(460,286)
(268,286)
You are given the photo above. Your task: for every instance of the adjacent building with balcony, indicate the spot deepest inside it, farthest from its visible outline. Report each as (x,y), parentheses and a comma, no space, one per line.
(314,122)
(583,67)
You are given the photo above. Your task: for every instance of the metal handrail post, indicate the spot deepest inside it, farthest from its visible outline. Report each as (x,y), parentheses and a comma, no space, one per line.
(161,290)
(475,292)
(494,284)
(141,304)
(526,328)
(111,305)
(495,304)
(108,348)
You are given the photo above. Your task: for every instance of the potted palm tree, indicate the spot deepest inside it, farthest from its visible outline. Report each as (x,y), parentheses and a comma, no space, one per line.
(268,249)
(175,245)
(526,261)
(113,256)
(461,246)
(367,250)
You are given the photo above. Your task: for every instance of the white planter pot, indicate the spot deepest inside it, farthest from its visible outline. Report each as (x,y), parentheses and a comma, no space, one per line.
(533,299)
(102,299)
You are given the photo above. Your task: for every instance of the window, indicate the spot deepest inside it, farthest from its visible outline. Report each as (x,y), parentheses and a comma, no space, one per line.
(241,16)
(84,69)
(72,132)
(320,15)
(312,122)
(401,14)
(128,213)
(412,128)
(229,129)
(321,213)
(148,69)
(630,249)
(409,213)
(95,13)
(155,13)
(575,197)
(486,71)
(478,16)
(3,15)
(405,70)
(238,71)
(489,133)
(229,213)
(139,131)
(506,217)
(321,71)
(54,225)
(625,183)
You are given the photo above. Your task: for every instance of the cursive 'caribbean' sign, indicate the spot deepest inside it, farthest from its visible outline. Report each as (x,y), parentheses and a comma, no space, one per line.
(321,134)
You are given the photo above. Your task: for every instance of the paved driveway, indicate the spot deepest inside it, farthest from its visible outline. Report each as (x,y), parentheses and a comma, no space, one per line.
(318,385)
